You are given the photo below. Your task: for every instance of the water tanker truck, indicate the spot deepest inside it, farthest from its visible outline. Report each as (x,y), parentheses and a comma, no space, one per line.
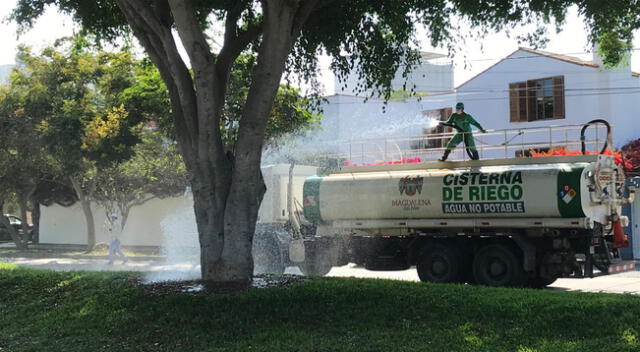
(497,222)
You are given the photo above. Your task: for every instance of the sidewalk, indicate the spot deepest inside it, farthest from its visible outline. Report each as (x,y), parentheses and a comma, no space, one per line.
(38,251)
(627,282)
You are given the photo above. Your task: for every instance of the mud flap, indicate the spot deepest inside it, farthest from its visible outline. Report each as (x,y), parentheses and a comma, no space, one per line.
(296,251)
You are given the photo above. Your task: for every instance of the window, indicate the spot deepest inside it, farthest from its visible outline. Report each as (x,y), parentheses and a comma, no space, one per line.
(538,99)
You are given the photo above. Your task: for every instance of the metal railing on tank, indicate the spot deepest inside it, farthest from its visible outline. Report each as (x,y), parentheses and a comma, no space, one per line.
(499,143)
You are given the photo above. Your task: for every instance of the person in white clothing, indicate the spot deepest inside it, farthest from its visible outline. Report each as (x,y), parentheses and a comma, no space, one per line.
(114,243)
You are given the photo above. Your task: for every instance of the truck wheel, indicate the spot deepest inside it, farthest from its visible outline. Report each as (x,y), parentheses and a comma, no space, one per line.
(267,256)
(497,265)
(439,263)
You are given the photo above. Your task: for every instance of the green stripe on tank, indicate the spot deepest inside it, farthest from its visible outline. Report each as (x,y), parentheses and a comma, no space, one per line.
(311,199)
(568,193)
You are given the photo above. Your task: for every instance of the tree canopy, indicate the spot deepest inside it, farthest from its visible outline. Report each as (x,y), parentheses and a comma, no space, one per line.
(67,119)
(371,37)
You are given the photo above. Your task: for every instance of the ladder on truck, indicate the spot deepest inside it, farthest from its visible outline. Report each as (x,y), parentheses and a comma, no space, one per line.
(494,144)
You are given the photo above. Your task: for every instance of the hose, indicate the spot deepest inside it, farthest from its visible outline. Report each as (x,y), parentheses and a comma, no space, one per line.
(508,142)
(584,128)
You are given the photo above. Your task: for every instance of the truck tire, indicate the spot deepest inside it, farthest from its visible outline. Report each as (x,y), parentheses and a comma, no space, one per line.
(386,263)
(498,265)
(439,263)
(267,255)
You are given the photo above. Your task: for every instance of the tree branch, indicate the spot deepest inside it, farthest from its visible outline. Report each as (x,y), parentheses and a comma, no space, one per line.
(279,35)
(305,9)
(151,28)
(191,35)
(210,87)
(235,42)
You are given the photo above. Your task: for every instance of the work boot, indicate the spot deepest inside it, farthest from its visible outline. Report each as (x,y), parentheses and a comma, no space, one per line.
(475,155)
(445,155)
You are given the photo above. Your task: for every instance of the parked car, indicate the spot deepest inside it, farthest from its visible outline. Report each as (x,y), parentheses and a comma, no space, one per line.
(16,222)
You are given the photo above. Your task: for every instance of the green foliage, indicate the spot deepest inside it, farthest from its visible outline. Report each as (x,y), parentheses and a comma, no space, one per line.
(291,112)
(146,96)
(23,158)
(55,188)
(379,36)
(100,17)
(73,110)
(73,90)
(401,94)
(158,165)
(107,311)
(617,52)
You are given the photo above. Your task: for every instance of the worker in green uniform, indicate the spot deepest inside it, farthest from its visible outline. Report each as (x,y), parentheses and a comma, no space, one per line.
(462,122)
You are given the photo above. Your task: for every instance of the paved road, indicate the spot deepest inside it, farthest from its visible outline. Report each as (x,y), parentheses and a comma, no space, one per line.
(628,282)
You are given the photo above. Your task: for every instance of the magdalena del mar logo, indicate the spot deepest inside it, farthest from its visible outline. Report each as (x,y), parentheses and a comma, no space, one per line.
(410,185)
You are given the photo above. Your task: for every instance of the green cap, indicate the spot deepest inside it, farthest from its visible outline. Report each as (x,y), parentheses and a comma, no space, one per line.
(460,106)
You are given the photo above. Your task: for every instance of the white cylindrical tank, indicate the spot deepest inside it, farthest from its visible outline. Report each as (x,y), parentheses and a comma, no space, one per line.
(526,189)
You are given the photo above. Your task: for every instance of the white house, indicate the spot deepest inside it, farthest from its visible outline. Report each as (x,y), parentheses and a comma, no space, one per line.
(525,90)
(533,88)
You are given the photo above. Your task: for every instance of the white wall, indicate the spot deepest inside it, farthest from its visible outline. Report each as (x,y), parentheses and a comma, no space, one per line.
(66,225)
(590,93)
(430,76)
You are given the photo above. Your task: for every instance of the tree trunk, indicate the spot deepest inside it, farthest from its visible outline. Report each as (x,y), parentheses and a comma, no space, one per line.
(89,221)
(88,215)
(23,204)
(124,215)
(232,259)
(35,216)
(227,191)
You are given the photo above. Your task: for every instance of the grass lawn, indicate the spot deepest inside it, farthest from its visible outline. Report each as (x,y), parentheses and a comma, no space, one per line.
(103,311)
